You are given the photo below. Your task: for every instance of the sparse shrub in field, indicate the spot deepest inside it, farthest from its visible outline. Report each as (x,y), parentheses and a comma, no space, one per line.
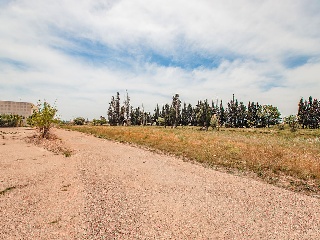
(43,118)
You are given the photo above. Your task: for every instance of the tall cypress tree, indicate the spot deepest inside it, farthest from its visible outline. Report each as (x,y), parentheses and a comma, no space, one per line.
(222,114)
(190,115)
(184,115)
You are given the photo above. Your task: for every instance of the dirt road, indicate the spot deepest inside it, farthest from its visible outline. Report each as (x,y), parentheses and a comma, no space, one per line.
(108,190)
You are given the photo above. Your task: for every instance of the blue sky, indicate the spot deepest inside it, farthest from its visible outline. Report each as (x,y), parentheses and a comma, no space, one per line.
(80,53)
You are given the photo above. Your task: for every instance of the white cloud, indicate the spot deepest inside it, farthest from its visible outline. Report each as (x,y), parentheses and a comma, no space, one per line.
(44,45)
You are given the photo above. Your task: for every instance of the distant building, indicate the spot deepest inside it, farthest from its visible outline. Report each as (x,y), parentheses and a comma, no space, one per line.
(23,109)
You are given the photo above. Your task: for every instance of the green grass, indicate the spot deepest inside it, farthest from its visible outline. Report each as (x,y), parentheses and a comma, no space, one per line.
(269,153)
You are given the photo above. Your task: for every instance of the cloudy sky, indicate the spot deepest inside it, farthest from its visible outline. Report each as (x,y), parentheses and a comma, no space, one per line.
(81,52)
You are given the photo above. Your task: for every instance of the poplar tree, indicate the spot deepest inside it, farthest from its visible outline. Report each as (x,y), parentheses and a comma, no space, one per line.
(156,114)
(127,109)
(175,110)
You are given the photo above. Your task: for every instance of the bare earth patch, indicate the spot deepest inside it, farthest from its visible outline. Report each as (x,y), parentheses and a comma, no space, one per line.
(108,190)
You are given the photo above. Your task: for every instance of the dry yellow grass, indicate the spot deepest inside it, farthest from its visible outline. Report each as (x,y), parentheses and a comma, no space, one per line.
(270,154)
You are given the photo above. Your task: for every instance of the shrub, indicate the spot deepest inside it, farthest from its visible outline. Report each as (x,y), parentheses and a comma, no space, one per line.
(10,120)
(100,121)
(79,121)
(43,118)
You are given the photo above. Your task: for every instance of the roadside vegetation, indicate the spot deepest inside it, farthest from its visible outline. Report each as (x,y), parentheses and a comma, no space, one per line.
(43,118)
(249,139)
(282,157)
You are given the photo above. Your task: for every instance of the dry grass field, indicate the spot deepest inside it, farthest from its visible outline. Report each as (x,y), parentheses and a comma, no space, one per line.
(281,157)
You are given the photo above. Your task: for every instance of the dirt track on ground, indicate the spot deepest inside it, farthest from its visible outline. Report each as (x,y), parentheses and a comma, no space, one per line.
(108,190)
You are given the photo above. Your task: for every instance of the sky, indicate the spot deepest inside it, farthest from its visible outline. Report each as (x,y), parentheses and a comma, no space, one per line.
(77,54)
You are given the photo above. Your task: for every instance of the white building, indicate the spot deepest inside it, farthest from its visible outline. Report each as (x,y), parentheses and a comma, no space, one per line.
(23,109)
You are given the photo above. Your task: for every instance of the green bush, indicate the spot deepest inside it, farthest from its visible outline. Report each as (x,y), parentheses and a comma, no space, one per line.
(43,118)
(100,121)
(79,121)
(10,120)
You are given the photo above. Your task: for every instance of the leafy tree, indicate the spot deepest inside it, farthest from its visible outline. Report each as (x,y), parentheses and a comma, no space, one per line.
(43,118)
(271,115)
(79,121)
(103,120)
(100,121)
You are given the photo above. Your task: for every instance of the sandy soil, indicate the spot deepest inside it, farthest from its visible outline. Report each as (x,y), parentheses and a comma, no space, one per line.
(108,190)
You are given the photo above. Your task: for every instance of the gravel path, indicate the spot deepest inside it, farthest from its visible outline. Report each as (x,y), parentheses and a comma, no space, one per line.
(108,190)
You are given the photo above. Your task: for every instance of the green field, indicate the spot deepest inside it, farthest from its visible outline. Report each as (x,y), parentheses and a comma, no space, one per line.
(281,157)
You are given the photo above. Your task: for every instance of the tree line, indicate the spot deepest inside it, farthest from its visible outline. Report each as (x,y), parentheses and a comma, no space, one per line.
(204,114)
(207,114)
